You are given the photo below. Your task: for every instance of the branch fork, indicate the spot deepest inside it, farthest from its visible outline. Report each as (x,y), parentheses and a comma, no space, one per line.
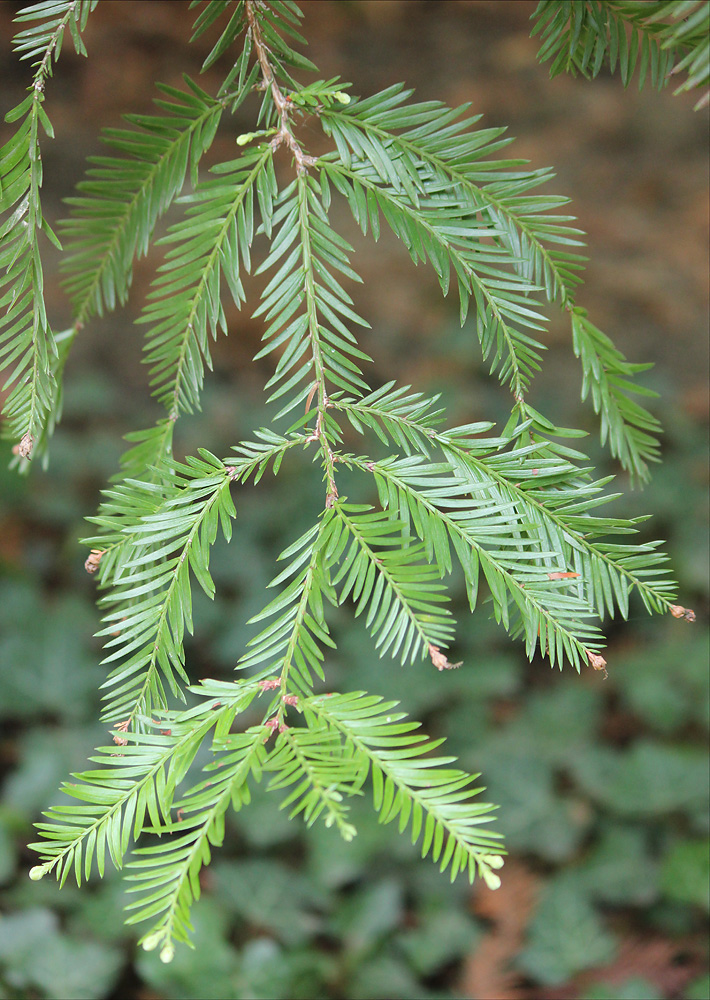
(284,136)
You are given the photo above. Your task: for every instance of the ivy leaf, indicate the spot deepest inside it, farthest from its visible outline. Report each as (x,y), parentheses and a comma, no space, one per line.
(620,869)
(649,779)
(565,935)
(36,955)
(685,875)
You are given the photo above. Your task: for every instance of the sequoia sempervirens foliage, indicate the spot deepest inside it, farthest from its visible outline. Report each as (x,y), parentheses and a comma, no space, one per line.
(516,509)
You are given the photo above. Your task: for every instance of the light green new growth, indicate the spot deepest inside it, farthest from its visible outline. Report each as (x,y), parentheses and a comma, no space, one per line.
(516,511)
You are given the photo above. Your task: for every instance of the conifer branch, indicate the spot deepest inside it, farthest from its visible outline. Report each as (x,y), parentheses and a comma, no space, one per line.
(167,875)
(516,510)
(284,134)
(397,153)
(186,302)
(558,510)
(435,146)
(137,777)
(125,507)
(413,788)
(438,230)
(113,220)
(29,357)
(582,37)
(319,368)
(324,773)
(150,600)
(629,427)
(388,577)
(290,646)
(514,570)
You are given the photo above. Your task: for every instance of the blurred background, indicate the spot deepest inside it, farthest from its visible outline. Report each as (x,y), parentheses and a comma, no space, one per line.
(602,784)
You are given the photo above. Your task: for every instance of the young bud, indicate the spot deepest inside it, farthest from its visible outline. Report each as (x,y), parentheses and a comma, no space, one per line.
(490,878)
(167,954)
(24,448)
(678,611)
(439,660)
(152,941)
(93,560)
(596,661)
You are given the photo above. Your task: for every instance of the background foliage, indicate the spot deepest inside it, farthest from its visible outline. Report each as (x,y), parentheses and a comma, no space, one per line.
(602,785)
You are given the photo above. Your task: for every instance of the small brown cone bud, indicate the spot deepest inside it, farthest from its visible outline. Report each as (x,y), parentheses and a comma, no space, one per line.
(93,560)
(24,448)
(678,611)
(439,660)
(596,661)
(121,727)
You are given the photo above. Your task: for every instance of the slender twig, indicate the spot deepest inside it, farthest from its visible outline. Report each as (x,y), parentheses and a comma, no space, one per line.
(284,134)
(303,161)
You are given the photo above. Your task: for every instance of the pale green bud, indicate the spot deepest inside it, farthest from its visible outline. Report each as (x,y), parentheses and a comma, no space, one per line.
(38,872)
(490,878)
(167,954)
(340,96)
(152,941)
